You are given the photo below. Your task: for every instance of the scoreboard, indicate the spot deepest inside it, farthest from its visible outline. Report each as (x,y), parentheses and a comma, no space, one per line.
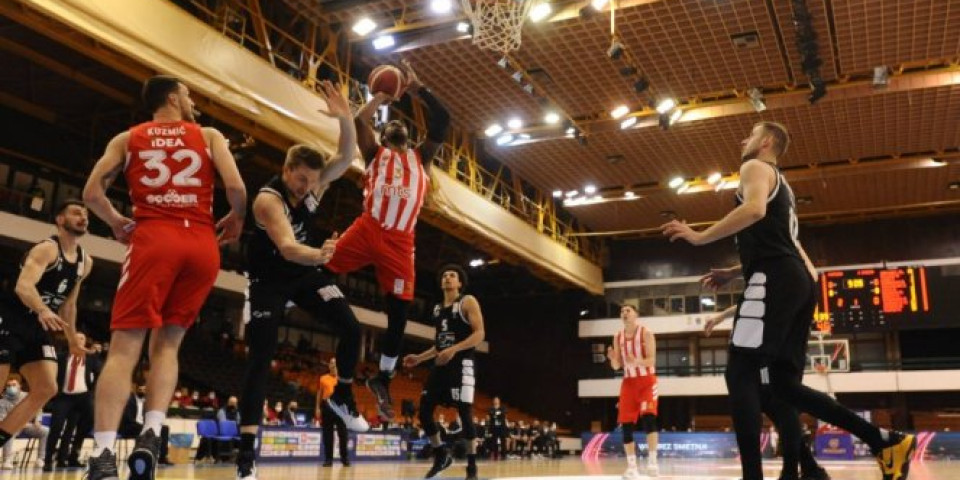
(872,299)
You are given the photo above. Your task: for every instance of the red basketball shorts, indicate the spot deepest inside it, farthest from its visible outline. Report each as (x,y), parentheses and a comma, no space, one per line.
(168,272)
(638,397)
(390,252)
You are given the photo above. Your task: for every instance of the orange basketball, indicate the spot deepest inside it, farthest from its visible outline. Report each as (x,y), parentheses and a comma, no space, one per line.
(387,79)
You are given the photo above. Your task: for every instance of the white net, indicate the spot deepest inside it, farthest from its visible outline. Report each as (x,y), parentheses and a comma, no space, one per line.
(497,24)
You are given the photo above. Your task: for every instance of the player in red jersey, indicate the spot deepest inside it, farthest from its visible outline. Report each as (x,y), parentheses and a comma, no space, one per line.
(635,350)
(172,259)
(395,184)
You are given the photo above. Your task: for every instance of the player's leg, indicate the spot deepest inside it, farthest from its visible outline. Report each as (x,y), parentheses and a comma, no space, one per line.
(648,422)
(263,312)
(434,393)
(469,435)
(786,419)
(41,375)
(629,410)
(320,296)
(743,382)
(396,275)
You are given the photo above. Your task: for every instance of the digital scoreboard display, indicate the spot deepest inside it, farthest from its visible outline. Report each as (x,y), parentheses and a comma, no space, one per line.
(871,299)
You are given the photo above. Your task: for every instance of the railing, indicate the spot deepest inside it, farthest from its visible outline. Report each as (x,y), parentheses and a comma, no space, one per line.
(301,60)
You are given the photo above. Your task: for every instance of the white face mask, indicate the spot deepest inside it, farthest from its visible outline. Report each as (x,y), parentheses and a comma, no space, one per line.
(12,391)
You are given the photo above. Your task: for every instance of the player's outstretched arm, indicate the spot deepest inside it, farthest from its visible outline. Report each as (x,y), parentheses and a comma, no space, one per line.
(231,225)
(339,108)
(363,121)
(68,311)
(40,257)
(95,191)
(268,212)
(438,119)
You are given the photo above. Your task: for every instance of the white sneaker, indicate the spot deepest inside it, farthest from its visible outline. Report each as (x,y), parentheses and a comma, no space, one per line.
(347,411)
(7,466)
(653,469)
(631,474)
(39,463)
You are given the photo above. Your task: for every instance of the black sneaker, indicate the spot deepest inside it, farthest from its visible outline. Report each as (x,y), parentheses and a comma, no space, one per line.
(103,467)
(246,466)
(441,461)
(380,386)
(343,404)
(471,472)
(143,460)
(47,466)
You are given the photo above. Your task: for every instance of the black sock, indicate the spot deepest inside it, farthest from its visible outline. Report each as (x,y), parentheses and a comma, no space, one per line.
(247,441)
(472,459)
(342,389)
(4,437)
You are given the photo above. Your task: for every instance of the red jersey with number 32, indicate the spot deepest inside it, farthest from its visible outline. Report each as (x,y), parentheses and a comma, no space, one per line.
(169,172)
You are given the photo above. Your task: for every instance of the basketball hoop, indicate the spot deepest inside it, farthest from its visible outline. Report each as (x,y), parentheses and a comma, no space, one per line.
(497,24)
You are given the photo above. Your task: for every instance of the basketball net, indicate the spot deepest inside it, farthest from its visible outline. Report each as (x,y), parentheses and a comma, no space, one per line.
(497,24)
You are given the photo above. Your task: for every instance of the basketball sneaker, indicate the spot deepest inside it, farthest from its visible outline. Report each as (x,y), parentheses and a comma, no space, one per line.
(653,469)
(343,404)
(102,467)
(894,460)
(631,474)
(471,472)
(143,460)
(380,386)
(441,461)
(246,466)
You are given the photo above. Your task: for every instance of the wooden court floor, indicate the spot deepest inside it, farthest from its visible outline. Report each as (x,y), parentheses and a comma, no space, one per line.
(571,468)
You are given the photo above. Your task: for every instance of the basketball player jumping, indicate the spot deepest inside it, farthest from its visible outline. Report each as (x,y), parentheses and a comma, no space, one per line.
(772,322)
(635,350)
(283,259)
(171,262)
(45,301)
(395,184)
(459,326)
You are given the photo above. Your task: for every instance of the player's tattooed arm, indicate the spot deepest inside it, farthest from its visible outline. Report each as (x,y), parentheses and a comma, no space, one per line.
(103,175)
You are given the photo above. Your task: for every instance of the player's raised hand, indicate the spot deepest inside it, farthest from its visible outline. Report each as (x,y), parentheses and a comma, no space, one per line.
(337,104)
(717,278)
(712,323)
(413,81)
(229,228)
(677,230)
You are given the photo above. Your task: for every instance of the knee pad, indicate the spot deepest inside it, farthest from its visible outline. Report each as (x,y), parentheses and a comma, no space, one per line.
(627,433)
(648,423)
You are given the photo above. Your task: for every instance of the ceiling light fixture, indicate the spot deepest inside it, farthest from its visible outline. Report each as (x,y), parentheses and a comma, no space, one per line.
(540,11)
(676,182)
(598,4)
(629,195)
(476,262)
(629,122)
(515,123)
(551,118)
(557,193)
(504,139)
(441,6)
(493,130)
(364,26)
(714,178)
(383,42)
(666,105)
(571,193)
(683,188)
(590,189)
(756,99)
(620,111)
(463,27)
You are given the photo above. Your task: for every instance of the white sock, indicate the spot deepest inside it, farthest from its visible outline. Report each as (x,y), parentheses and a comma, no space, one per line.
(103,441)
(387,364)
(153,420)
(653,456)
(631,461)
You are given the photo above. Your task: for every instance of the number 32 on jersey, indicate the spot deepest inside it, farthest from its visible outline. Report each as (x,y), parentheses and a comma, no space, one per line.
(155,162)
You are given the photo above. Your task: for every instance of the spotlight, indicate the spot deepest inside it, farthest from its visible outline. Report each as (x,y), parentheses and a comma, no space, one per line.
(675,116)
(504,139)
(517,76)
(557,193)
(515,123)
(571,131)
(881,76)
(676,182)
(666,105)
(571,194)
(503,63)
(615,51)
(540,11)
(493,130)
(641,85)
(383,42)
(629,195)
(476,262)
(590,189)
(629,122)
(598,4)
(441,6)
(364,26)
(683,188)
(523,136)
(756,99)
(464,27)
(620,111)
(714,178)
(584,313)
(551,118)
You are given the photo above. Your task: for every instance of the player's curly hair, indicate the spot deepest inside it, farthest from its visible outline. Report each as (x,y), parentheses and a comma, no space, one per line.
(461,274)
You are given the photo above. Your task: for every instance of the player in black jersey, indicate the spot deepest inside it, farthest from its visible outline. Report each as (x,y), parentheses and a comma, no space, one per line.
(283,260)
(459,326)
(772,321)
(45,301)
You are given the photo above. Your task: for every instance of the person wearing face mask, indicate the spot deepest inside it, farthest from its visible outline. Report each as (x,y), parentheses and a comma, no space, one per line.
(229,411)
(72,408)
(209,448)
(12,395)
(289,416)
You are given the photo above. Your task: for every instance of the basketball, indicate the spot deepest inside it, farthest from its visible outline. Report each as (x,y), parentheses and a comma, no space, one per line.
(387,79)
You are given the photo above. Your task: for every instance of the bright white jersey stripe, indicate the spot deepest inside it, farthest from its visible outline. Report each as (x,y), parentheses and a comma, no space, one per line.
(637,349)
(394,188)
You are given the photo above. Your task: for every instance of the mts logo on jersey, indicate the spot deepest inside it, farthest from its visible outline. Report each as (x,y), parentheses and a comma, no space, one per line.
(398,191)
